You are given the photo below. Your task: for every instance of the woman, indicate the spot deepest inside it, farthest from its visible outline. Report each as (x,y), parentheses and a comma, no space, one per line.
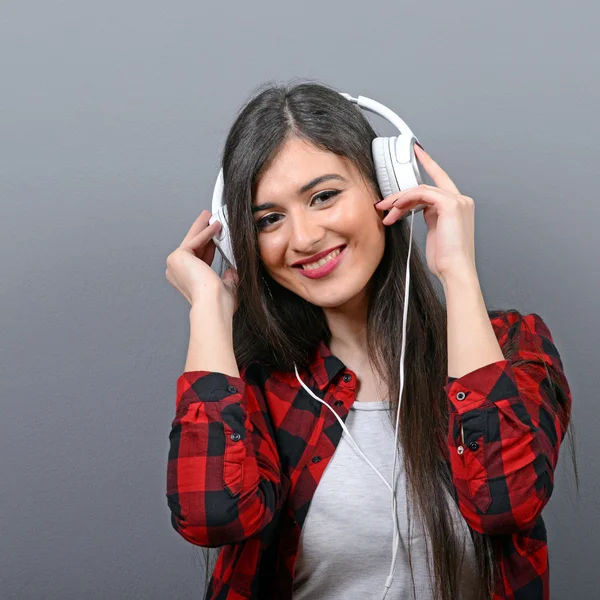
(261,469)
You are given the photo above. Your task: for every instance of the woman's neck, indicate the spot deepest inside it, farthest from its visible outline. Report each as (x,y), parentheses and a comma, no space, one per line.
(348,326)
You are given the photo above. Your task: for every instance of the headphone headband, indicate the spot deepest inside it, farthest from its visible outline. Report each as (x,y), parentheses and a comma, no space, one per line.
(388,114)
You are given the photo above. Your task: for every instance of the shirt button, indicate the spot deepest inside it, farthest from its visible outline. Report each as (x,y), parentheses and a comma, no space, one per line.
(232,389)
(316,459)
(474,446)
(461,396)
(347,377)
(460,449)
(339,402)
(236,437)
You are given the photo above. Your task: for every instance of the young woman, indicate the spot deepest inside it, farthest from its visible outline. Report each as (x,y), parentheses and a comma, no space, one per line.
(263,471)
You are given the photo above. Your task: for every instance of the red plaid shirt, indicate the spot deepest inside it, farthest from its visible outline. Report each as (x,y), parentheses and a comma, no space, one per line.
(247,453)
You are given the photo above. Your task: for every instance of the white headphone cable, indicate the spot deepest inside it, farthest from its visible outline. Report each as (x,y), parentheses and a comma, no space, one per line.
(395,543)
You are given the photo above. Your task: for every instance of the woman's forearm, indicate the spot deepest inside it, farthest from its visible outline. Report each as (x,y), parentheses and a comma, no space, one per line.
(211,339)
(472,342)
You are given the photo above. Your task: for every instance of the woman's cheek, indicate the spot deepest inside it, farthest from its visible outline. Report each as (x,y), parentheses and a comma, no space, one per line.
(272,251)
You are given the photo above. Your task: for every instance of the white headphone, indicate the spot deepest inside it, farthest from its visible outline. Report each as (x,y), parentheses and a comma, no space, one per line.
(397,170)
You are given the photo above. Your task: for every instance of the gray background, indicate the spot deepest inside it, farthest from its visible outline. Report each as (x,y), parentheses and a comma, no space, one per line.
(113,115)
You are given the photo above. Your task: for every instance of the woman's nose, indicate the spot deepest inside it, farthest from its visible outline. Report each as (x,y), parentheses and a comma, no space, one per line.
(306,233)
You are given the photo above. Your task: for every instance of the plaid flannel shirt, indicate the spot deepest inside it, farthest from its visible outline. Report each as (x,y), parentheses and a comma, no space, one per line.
(247,453)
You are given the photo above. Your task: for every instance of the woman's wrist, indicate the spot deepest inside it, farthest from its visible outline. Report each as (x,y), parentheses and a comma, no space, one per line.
(460,278)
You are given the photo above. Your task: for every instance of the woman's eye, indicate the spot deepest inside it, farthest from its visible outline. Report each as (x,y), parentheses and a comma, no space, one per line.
(272,218)
(326,195)
(266,220)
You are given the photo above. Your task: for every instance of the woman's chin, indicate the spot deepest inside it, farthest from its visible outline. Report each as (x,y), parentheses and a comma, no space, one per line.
(334,298)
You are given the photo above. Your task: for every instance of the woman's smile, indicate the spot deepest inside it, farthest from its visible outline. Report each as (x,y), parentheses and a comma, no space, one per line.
(324,266)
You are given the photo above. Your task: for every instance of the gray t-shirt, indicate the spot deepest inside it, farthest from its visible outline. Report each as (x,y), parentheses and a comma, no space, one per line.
(346,542)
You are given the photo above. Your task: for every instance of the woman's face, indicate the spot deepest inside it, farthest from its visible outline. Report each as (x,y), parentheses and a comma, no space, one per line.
(334,214)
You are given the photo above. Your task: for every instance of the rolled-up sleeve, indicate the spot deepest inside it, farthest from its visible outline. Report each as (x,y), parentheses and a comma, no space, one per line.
(506,423)
(224,479)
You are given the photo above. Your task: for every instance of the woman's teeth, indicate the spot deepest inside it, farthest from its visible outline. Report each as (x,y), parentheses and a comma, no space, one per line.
(321,262)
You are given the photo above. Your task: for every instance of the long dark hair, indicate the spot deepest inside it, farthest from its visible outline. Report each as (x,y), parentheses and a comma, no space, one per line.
(284,329)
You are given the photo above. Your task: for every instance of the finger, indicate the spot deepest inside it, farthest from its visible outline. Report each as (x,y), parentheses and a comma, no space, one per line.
(427,193)
(392,216)
(388,202)
(395,213)
(439,176)
(203,234)
(208,253)
(424,194)
(198,225)
(202,237)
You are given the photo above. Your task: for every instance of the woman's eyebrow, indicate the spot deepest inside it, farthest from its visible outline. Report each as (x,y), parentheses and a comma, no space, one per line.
(318,180)
(303,189)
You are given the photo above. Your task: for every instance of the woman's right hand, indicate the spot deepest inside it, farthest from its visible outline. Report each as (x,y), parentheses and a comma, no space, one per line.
(188,266)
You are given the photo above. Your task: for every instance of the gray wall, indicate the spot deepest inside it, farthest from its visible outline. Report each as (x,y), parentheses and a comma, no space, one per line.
(113,115)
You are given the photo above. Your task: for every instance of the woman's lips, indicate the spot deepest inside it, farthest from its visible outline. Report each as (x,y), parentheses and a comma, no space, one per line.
(325,269)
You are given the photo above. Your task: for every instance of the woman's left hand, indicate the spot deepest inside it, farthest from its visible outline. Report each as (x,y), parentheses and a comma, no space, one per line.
(450,244)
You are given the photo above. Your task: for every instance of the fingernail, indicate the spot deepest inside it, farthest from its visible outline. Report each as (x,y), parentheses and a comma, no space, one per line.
(420,146)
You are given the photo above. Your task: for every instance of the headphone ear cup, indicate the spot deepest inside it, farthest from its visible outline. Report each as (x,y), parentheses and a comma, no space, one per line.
(384,168)
(222,239)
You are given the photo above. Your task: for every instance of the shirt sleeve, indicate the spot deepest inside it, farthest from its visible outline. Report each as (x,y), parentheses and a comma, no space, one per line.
(506,423)
(224,479)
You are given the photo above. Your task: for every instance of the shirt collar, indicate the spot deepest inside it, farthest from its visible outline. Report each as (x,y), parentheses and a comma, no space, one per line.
(324,366)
